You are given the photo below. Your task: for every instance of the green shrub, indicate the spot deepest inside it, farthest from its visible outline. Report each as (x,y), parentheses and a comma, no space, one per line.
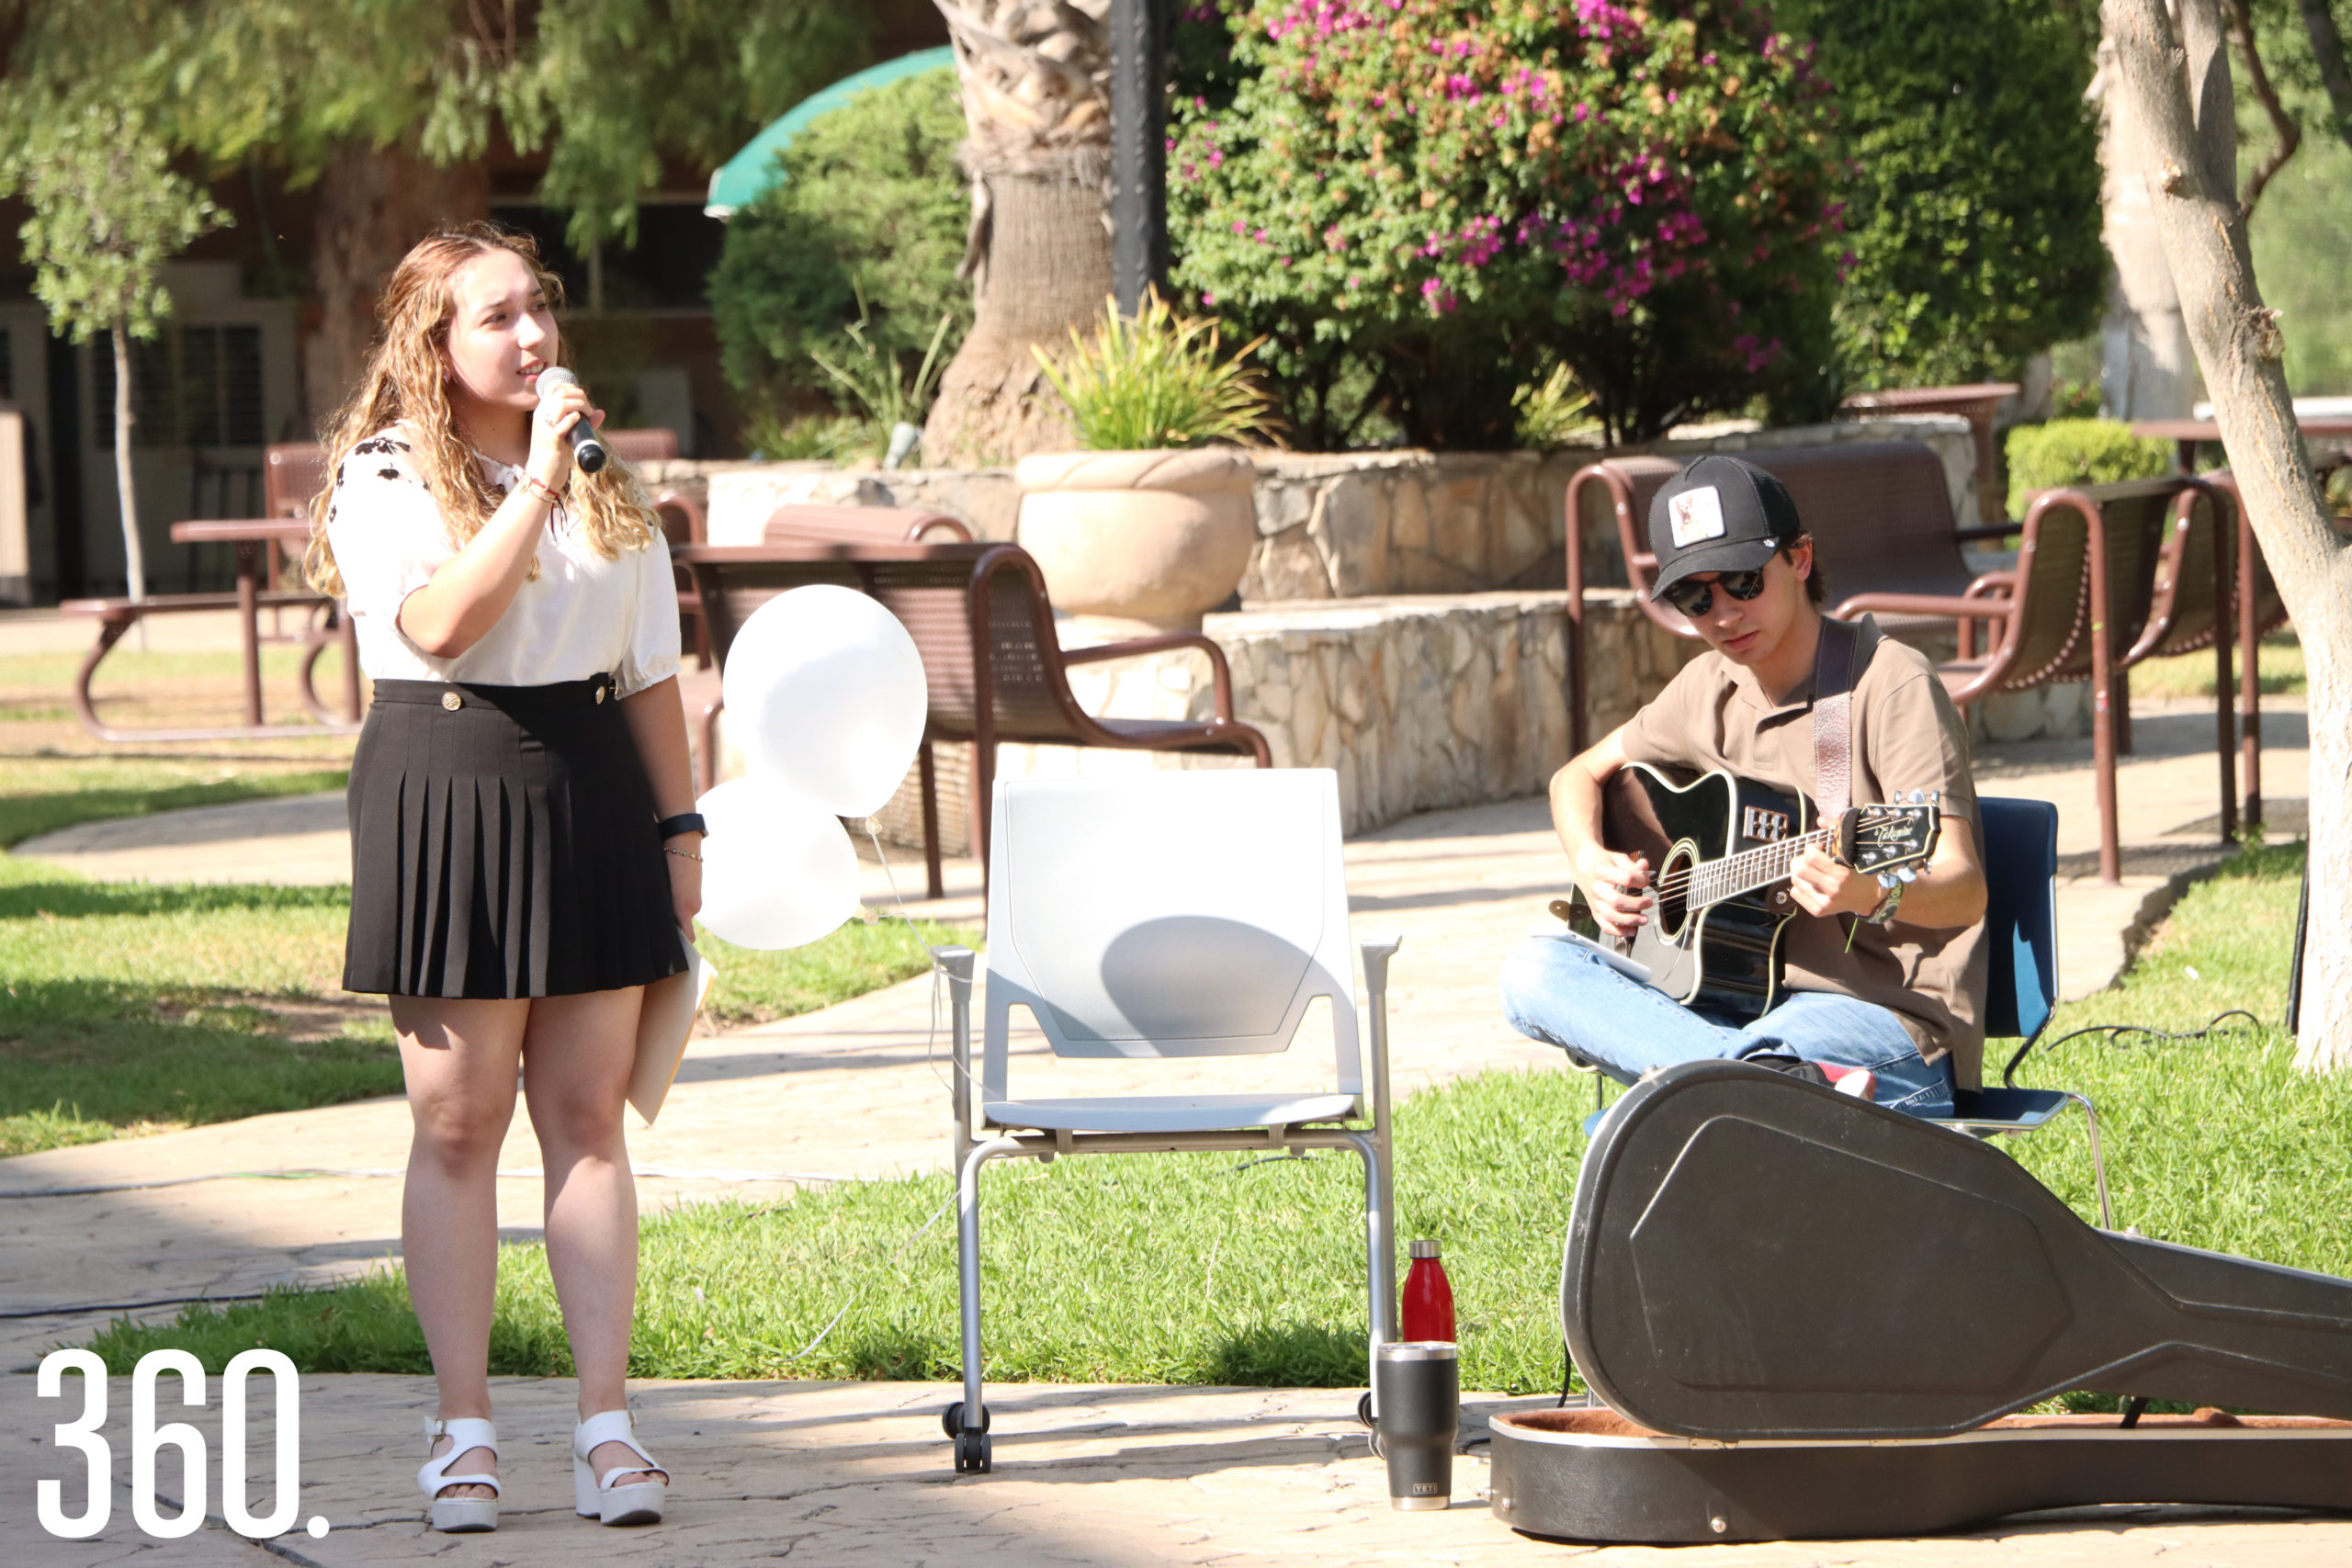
(869,221)
(1154,381)
(2080,452)
(1418,203)
(1972,209)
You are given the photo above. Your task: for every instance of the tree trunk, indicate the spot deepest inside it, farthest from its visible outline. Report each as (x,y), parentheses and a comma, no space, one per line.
(2147,369)
(1046,272)
(2327,50)
(1034,82)
(374,203)
(134,560)
(2180,87)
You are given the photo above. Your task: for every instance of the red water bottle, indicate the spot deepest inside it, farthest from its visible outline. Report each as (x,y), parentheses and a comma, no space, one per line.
(1429,1296)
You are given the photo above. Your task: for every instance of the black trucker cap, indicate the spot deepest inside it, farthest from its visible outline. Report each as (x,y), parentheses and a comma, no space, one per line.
(1719,513)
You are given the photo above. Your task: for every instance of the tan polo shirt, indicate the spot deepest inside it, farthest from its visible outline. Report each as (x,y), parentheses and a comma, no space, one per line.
(1907,736)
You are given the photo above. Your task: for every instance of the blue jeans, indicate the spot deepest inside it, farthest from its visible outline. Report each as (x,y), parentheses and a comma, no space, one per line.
(1565,995)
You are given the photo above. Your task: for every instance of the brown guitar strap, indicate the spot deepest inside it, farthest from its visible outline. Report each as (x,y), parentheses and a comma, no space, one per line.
(1836,664)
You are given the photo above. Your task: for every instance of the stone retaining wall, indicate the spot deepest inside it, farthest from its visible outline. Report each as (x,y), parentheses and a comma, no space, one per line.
(1418,703)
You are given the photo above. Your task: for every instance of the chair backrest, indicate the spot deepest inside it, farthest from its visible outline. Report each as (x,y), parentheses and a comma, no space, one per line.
(2052,620)
(655,444)
(1880,513)
(863,525)
(291,473)
(2269,606)
(987,606)
(2019,850)
(1168,914)
(2184,611)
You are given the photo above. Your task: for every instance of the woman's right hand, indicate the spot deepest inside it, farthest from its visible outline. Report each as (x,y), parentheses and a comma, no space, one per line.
(551,423)
(1612,884)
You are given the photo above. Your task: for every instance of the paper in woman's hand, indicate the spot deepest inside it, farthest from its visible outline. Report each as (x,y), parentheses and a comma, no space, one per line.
(664,1022)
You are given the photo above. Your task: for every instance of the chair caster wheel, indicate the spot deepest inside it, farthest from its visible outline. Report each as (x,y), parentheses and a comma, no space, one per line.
(971,1453)
(951,1420)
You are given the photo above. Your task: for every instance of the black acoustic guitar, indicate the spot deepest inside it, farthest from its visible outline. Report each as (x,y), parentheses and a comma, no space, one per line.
(1719,849)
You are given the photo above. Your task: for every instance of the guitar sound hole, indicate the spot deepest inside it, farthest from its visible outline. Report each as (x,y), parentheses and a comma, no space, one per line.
(1673,884)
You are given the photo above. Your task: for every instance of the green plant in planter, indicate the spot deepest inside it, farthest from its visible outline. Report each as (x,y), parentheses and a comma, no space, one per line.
(1554,412)
(1155,382)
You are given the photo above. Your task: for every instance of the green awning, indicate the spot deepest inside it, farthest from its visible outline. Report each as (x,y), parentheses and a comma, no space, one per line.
(738,181)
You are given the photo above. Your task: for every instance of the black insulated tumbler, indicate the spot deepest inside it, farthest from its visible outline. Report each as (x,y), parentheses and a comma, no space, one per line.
(1418,1388)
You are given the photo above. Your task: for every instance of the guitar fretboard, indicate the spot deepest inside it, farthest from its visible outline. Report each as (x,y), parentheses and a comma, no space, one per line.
(1713,881)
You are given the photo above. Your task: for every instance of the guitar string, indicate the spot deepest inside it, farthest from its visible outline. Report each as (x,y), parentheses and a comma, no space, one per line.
(1741,871)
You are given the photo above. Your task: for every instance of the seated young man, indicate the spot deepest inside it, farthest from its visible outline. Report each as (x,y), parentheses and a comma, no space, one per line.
(1886,982)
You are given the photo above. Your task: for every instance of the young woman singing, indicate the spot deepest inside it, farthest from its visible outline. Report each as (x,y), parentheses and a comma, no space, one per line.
(523,850)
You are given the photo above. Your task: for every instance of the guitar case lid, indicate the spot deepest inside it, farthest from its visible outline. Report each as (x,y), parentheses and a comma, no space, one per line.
(1751,1256)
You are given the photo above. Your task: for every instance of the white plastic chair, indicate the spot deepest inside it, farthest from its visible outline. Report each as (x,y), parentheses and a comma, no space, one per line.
(1161,916)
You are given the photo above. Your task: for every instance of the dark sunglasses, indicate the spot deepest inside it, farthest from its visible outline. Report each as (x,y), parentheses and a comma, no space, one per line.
(1693,598)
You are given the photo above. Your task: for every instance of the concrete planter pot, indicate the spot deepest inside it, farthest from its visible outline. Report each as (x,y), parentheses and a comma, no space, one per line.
(1138,539)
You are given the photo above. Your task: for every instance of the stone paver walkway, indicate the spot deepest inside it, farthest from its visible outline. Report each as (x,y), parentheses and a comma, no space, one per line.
(857,1474)
(848,1475)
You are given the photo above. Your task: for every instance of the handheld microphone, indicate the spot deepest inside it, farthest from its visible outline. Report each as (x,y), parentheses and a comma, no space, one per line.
(586,449)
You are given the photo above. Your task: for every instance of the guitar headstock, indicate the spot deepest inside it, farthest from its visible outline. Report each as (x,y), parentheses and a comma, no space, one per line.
(1877,838)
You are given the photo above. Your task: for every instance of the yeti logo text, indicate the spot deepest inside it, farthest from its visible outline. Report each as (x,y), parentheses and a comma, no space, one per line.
(1761,826)
(1695,514)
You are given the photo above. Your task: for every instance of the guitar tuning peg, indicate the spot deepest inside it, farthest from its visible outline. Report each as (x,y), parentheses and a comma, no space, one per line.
(1909,873)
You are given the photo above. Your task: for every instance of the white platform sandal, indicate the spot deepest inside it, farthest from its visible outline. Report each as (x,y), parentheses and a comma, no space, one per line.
(594,1496)
(459,1516)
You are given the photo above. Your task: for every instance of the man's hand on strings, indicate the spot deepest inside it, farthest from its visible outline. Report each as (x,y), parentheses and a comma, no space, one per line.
(1614,884)
(1822,886)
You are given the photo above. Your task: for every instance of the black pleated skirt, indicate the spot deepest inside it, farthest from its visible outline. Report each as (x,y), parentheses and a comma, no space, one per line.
(503,844)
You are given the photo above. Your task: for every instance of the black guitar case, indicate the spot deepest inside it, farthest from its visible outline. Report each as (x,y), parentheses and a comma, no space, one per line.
(1809,1316)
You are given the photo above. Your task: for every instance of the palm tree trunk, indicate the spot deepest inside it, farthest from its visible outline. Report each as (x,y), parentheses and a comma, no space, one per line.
(1036,106)
(134,561)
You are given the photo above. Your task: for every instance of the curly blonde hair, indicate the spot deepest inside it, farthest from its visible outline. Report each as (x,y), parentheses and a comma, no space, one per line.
(405,383)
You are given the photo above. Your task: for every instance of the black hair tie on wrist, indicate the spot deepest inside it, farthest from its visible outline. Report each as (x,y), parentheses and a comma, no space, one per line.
(684,822)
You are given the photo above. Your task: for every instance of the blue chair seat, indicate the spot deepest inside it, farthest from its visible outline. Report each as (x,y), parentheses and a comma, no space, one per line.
(2007,1110)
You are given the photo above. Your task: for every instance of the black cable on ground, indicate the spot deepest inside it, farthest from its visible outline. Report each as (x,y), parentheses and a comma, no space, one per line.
(2116,1033)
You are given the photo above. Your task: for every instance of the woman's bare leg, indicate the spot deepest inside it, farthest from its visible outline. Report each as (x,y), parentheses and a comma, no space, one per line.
(458,1059)
(576,1057)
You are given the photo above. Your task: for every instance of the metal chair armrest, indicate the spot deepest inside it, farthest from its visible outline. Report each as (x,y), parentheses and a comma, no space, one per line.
(1219,672)
(1950,604)
(686,507)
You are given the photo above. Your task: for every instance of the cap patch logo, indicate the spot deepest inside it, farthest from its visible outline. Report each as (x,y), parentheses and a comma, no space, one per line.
(1695,514)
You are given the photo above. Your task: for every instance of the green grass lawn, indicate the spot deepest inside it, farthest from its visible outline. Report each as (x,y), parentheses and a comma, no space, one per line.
(41,794)
(136,1007)
(1221,1270)
(2278,664)
(132,1007)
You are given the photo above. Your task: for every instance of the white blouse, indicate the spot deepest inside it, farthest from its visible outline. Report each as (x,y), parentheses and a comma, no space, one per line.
(582,616)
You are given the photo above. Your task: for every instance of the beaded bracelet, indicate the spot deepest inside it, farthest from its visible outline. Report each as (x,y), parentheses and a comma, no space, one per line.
(681,854)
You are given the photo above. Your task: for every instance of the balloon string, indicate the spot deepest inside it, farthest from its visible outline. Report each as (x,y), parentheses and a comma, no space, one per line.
(938,970)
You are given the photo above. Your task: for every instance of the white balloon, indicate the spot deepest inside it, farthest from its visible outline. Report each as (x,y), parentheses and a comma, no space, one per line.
(777,870)
(825,691)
